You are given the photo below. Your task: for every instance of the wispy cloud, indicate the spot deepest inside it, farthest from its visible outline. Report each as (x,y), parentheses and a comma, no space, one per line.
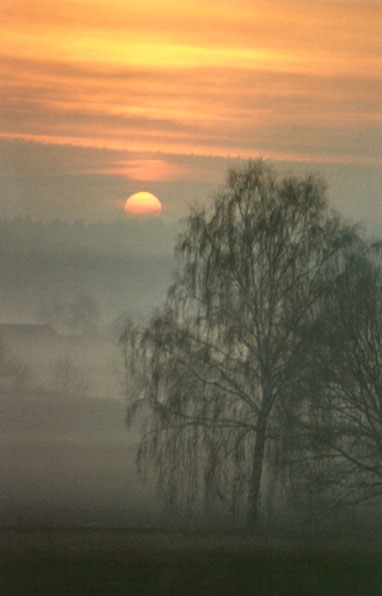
(290,79)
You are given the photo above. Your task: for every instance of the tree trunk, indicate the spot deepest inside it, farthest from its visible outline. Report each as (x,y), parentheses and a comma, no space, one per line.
(258,459)
(255,478)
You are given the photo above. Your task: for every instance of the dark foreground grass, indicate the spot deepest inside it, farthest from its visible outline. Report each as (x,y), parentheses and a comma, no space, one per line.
(204,570)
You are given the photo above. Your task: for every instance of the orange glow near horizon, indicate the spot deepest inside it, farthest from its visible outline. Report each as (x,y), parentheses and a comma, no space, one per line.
(298,79)
(143,203)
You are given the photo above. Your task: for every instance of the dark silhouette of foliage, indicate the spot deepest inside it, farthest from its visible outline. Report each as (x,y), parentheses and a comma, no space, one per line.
(347,399)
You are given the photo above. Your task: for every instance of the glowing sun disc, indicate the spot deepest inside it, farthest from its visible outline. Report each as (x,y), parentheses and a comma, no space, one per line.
(143,203)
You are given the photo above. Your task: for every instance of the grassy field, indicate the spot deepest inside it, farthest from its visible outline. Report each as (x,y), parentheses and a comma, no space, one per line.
(116,563)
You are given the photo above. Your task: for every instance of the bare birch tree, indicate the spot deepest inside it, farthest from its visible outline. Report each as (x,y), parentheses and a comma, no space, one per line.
(231,341)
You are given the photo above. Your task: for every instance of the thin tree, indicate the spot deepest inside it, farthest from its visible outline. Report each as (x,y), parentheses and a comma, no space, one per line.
(82,314)
(231,342)
(14,375)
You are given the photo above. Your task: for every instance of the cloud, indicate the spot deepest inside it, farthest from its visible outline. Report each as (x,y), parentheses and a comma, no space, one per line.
(206,111)
(140,89)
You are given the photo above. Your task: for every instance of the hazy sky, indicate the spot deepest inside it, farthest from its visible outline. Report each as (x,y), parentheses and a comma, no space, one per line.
(102,98)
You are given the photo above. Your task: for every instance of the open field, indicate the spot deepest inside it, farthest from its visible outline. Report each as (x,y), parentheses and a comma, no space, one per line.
(135,563)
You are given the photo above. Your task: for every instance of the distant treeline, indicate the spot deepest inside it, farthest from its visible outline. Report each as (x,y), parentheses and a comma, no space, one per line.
(120,264)
(115,237)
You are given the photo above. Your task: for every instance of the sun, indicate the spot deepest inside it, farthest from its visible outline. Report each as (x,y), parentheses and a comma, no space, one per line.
(143,203)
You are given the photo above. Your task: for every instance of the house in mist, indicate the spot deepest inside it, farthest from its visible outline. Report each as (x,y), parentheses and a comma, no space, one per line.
(26,331)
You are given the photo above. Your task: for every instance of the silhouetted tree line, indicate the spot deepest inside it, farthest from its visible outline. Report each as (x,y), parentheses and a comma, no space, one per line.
(260,379)
(60,236)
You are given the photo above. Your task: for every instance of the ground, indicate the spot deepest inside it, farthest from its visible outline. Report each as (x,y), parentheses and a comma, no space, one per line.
(133,563)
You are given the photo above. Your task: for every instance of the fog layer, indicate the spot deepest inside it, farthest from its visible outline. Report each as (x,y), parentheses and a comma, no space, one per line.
(66,291)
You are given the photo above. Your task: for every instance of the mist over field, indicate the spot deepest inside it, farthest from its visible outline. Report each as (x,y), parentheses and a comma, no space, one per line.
(66,292)
(74,513)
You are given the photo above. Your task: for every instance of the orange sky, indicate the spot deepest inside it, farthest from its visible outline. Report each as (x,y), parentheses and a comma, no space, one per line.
(158,81)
